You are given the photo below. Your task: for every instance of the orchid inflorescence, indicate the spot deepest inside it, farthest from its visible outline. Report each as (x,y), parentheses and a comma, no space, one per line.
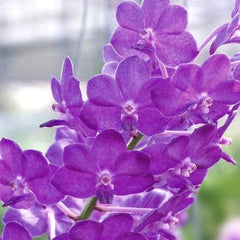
(127,162)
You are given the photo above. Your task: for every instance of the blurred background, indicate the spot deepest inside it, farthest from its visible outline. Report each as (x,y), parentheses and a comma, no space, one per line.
(36,36)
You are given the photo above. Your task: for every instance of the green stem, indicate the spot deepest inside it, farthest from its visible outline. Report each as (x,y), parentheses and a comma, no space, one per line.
(88,208)
(135,141)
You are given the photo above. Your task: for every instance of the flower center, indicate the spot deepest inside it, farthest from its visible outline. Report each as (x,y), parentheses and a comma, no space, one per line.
(147,34)
(204,103)
(186,168)
(129,108)
(106,179)
(19,186)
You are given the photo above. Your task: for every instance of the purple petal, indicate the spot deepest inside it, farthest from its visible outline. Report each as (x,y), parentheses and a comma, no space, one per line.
(188,78)
(130,16)
(6,173)
(144,98)
(103,90)
(109,54)
(217,110)
(37,166)
(227,92)
(44,191)
(74,183)
(125,184)
(158,164)
(116,225)
(79,157)
(14,231)
(101,118)
(198,176)
(86,230)
(211,77)
(175,49)
(151,121)
(56,90)
(201,137)
(20,201)
(73,96)
(110,68)
(124,40)
(164,97)
(6,192)
(132,163)
(12,154)
(207,157)
(173,20)
(107,147)
(152,11)
(175,151)
(131,74)
(67,72)
(53,122)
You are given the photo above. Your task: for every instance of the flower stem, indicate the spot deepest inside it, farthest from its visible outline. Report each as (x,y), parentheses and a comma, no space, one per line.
(67,211)
(130,210)
(135,141)
(88,208)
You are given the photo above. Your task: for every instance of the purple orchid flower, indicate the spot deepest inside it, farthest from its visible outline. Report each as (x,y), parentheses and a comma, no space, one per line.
(203,93)
(160,222)
(103,170)
(19,170)
(124,102)
(68,96)
(155,29)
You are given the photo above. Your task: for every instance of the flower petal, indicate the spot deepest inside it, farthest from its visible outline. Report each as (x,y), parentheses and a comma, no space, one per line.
(132,163)
(74,183)
(211,77)
(151,121)
(56,90)
(108,145)
(129,15)
(152,11)
(102,90)
(131,74)
(79,157)
(173,20)
(86,230)
(117,224)
(175,49)
(124,40)
(14,231)
(125,184)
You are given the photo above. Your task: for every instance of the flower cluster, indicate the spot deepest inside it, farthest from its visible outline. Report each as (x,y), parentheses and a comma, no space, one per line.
(126,163)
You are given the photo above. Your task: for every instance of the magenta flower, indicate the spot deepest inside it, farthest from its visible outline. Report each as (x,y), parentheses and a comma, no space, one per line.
(124,102)
(103,170)
(19,170)
(68,96)
(154,29)
(203,93)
